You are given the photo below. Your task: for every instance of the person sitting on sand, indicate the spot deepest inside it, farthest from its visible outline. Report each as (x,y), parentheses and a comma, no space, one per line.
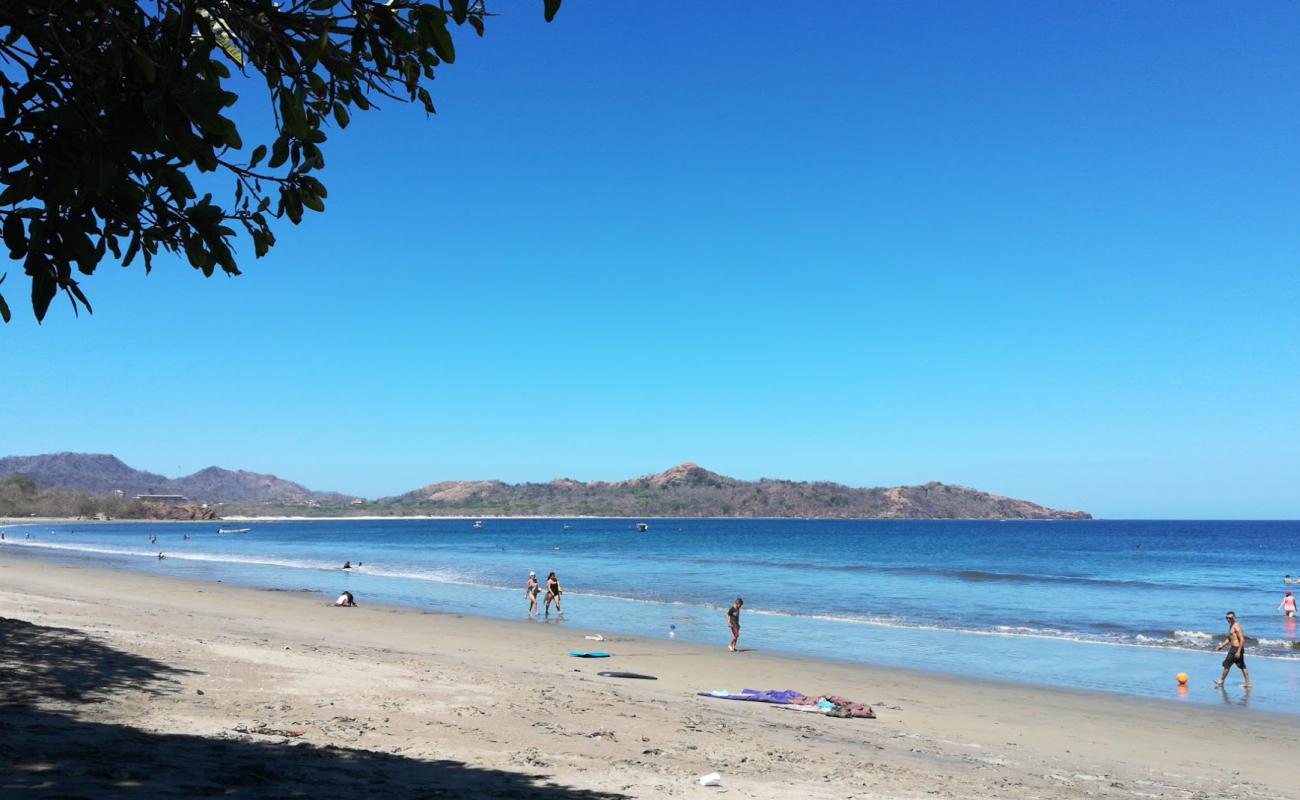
(1287,605)
(553,592)
(530,591)
(346,600)
(733,622)
(1236,644)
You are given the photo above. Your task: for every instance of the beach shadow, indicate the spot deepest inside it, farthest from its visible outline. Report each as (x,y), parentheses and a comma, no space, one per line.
(52,681)
(40,664)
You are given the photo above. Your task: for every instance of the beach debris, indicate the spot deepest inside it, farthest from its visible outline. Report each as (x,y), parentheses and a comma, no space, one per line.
(596,637)
(635,675)
(198,691)
(712,779)
(265,731)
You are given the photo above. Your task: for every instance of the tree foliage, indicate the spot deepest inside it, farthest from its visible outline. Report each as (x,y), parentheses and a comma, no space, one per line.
(111,107)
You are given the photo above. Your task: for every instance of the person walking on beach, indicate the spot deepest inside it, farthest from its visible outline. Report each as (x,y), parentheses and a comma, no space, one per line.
(733,622)
(530,591)
(1287,605)
(1236,644)
(553,592)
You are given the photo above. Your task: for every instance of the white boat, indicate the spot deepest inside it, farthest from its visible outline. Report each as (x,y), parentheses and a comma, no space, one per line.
(478,523)
(233,530)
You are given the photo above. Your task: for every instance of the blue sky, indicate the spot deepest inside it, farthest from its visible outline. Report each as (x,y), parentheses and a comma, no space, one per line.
(1042,249)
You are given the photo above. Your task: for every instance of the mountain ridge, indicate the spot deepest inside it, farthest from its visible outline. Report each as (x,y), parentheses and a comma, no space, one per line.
(104,474)
(685,490)
(689,490)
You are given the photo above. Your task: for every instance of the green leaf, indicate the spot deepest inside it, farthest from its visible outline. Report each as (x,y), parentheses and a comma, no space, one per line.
(14,236)
(131,250)
(44,287)
(552,7)
(279,152)
(76,290)
(4,309)
(442,44)
(259,153)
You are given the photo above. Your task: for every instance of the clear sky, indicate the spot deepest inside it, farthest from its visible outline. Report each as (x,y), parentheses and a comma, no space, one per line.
(1042,249)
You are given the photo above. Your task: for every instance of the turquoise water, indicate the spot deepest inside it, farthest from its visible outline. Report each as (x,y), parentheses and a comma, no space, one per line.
(1119,606)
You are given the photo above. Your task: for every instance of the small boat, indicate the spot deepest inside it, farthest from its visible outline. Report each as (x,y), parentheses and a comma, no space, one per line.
(478,523)
(233,530)
(642,527)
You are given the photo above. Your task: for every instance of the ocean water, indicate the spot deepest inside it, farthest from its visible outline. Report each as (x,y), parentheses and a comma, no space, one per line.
(1117,606)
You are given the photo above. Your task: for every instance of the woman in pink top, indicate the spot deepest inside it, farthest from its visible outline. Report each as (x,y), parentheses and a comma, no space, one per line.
(1288,605)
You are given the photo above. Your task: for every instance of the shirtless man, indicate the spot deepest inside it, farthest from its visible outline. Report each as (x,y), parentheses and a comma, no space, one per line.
(1236,644)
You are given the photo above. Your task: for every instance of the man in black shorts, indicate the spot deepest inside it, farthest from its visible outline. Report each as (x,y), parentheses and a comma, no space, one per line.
(1236,644)
(733,622)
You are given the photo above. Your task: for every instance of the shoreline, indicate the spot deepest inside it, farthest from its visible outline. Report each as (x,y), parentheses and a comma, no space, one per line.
(13,521)
(991,738)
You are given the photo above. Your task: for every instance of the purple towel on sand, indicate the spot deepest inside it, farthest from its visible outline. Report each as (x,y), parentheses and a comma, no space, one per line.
(757,695)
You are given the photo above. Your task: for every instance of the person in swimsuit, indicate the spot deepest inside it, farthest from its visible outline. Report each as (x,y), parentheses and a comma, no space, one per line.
(1236,644)
(346,601)
(1287,605)
(553,592)
(733,622)
(530,591)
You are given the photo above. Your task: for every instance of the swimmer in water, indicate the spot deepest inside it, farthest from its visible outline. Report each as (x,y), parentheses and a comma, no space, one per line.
(1287,606)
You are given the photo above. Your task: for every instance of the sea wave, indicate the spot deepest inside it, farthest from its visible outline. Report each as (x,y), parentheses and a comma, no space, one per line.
(1101,634)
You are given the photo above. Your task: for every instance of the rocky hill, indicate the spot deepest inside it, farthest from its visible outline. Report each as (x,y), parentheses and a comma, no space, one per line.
(689,490)
(99,474)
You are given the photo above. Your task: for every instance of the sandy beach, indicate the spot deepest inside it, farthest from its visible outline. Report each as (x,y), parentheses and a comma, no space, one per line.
(116,684)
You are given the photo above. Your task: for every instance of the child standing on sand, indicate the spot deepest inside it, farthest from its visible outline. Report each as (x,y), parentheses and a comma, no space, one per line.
(733,621)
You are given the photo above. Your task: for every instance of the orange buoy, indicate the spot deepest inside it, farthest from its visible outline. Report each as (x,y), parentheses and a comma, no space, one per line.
(1182,678)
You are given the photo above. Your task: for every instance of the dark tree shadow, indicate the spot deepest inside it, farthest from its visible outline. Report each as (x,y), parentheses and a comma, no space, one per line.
(55,754)
(40,664)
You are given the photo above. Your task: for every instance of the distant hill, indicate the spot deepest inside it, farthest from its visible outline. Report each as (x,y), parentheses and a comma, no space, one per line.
(100,474)
(689,490)
(686,490)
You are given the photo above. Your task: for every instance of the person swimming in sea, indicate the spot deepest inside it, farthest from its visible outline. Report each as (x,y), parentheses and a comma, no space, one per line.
(161,556)
(347,565)
(1287,606)
(531,589)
